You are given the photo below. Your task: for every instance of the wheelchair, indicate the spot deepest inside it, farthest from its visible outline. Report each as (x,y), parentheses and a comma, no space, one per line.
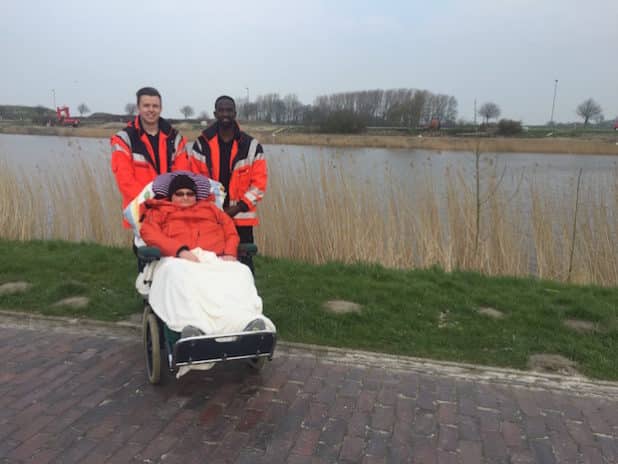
(164,349)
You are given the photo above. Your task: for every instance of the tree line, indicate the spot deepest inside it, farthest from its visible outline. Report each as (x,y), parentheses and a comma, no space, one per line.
(343,111)
(378,107)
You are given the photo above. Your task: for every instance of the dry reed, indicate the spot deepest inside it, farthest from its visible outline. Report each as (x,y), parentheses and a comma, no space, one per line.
(320,215)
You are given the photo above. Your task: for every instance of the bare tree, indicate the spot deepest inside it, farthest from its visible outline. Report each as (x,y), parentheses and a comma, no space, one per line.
(589,109)
(83,109)
(130,109)
(489,111)
(187,111)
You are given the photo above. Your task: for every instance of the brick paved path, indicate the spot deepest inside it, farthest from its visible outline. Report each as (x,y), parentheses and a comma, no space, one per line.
(81,397)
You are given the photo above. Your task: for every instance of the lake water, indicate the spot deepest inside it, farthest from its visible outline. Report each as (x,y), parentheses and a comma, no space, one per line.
(516,171)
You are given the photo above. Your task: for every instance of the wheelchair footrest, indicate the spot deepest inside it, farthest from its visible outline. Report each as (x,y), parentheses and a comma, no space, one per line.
(243,345)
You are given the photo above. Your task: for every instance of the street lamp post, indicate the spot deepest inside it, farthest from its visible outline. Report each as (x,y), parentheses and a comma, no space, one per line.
(54,98)
(553,105)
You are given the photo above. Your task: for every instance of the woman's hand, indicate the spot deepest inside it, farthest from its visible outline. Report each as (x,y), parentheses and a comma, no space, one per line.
(186,254)
(228,258)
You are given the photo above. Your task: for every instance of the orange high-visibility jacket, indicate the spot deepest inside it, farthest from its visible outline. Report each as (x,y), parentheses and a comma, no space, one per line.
(133,161)
(248,172)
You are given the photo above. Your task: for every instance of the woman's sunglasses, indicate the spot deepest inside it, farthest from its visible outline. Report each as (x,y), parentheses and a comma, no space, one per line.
(189,194)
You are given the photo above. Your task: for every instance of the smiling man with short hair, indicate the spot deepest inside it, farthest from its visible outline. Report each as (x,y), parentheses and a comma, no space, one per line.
(148,146)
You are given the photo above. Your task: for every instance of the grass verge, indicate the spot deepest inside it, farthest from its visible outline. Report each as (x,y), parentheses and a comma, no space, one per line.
(424,313)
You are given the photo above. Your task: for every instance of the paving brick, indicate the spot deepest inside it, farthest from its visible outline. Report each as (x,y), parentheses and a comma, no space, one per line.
(494,447)
(328,453)
(446,457)
(609,447)
(466,406)
(425,423)
(377,443)
(366,401)
(543,451)
(249,420)
(350,388)
(447,438)
(581,433)
(352,449)
(29,447)
(343,407)
(306,442)
(564,447)
(522,457)
(447,413)
(277,450)
(470,452)
(316,416)
(99,407)
(512,435)
(404,409)
(468,428)
(592,455)
(358,424)
(383,418)
(334,431)
(424,454)
(489,420)
(399,454)
(426,400)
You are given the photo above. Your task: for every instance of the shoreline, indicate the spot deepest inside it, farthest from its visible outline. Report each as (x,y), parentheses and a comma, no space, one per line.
(558,145)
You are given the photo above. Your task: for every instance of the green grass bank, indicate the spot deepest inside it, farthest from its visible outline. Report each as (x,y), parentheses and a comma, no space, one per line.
(423,313)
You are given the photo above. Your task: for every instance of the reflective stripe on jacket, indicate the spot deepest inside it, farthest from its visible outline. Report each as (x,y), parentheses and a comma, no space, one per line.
(133,162)
(248,171)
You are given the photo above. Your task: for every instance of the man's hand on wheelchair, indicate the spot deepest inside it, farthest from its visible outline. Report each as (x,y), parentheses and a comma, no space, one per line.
(232,210)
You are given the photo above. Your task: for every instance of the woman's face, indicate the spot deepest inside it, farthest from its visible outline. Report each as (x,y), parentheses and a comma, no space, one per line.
(184,197)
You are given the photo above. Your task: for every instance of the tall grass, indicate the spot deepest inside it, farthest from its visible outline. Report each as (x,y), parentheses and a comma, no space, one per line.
(323,214)
(80,204)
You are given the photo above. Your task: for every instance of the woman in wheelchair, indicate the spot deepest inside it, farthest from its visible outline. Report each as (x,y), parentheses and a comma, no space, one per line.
(206,290)
(180,223)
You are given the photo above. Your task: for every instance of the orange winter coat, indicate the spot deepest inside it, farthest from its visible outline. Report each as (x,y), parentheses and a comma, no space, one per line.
(171,228)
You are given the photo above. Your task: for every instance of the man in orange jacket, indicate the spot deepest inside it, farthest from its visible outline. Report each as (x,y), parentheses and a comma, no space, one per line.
(226,154)
(147,147)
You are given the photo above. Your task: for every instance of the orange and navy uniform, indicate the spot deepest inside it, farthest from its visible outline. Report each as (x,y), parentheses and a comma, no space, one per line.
(135,163)
(248,172)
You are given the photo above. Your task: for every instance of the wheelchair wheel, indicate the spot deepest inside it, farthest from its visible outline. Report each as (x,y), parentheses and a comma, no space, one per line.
(152,347)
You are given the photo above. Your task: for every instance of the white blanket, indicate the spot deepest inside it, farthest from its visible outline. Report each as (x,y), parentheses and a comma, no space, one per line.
(216,296)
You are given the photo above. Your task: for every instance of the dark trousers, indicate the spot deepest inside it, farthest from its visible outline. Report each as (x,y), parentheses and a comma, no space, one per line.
(140,263)
(246,236)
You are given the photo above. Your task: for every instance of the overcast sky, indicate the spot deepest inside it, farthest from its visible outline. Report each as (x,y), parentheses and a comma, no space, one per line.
(506,51)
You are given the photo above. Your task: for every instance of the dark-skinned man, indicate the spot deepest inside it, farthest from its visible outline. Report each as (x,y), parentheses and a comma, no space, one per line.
(226,154)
